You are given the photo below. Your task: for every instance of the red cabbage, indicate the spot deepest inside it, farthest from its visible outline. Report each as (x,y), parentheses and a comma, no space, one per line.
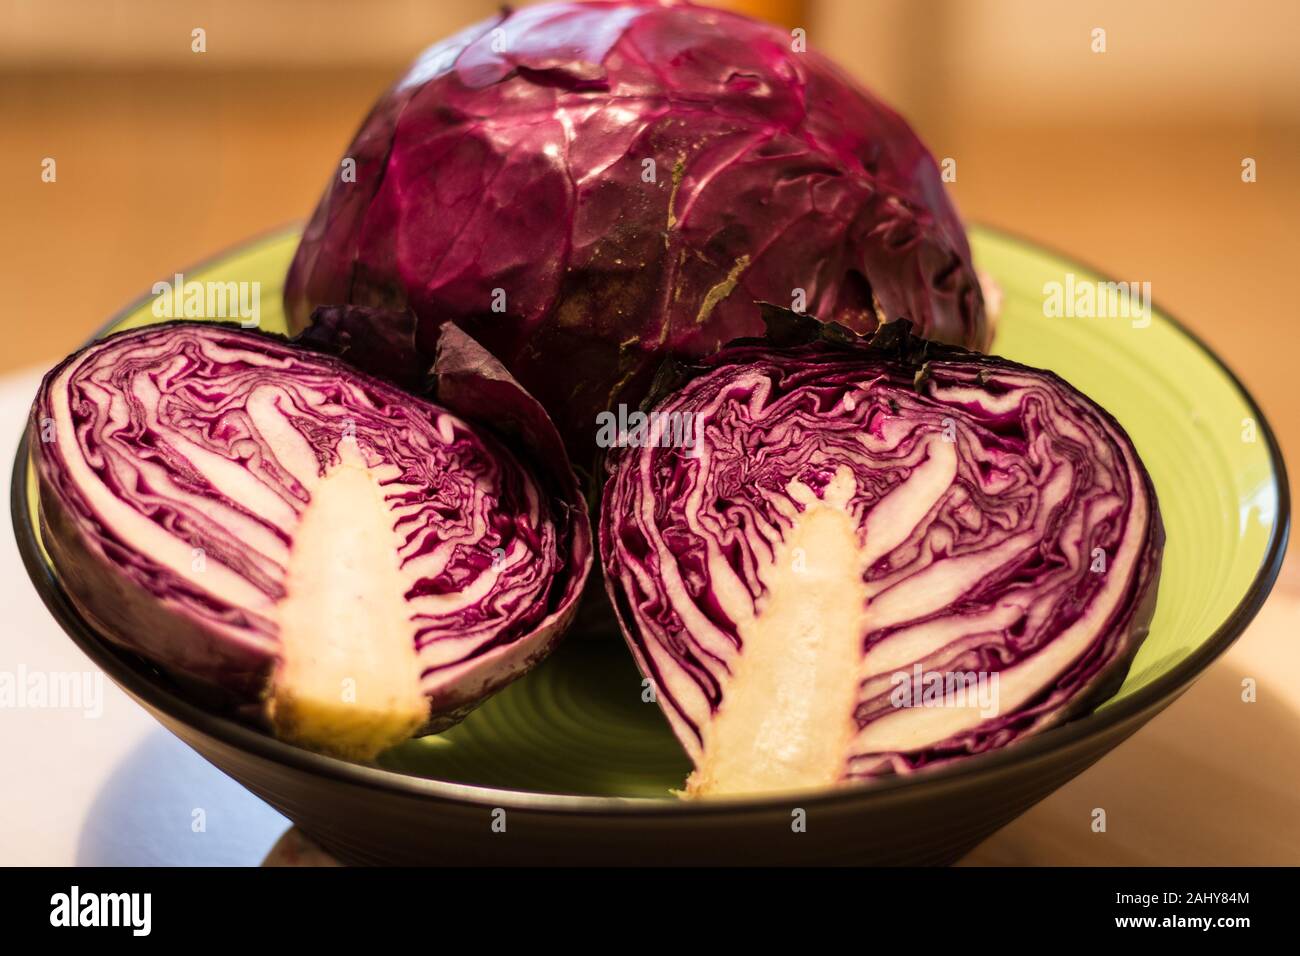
(587,187)
(363,563)
(868,559)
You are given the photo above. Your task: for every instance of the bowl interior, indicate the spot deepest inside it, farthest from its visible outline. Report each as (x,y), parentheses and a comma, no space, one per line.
(578,724)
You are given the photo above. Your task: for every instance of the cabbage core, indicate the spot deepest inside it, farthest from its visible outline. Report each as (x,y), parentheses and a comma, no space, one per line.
(796,683)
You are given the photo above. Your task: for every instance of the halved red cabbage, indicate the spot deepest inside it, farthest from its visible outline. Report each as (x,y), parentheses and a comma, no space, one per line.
(875,559)
(588,187)
(270,520)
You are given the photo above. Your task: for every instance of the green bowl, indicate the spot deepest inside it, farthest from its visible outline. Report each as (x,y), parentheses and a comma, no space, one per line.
(580,769)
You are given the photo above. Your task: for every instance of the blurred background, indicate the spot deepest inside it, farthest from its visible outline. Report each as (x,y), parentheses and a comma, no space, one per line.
(1130,160)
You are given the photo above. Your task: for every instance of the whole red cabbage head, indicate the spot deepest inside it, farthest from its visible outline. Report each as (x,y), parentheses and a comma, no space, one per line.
(586,188)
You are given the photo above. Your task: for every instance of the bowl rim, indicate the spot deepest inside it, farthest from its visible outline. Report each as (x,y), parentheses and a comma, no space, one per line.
(139,683)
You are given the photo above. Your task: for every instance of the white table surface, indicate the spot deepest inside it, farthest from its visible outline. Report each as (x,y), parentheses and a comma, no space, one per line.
(112,789)
(1213,780)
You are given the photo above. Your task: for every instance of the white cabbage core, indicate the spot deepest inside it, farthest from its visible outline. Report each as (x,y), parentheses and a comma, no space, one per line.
(786,717)
(349,676)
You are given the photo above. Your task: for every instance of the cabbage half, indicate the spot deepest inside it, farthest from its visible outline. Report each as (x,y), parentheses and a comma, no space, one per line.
(363,563)
(865,560)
